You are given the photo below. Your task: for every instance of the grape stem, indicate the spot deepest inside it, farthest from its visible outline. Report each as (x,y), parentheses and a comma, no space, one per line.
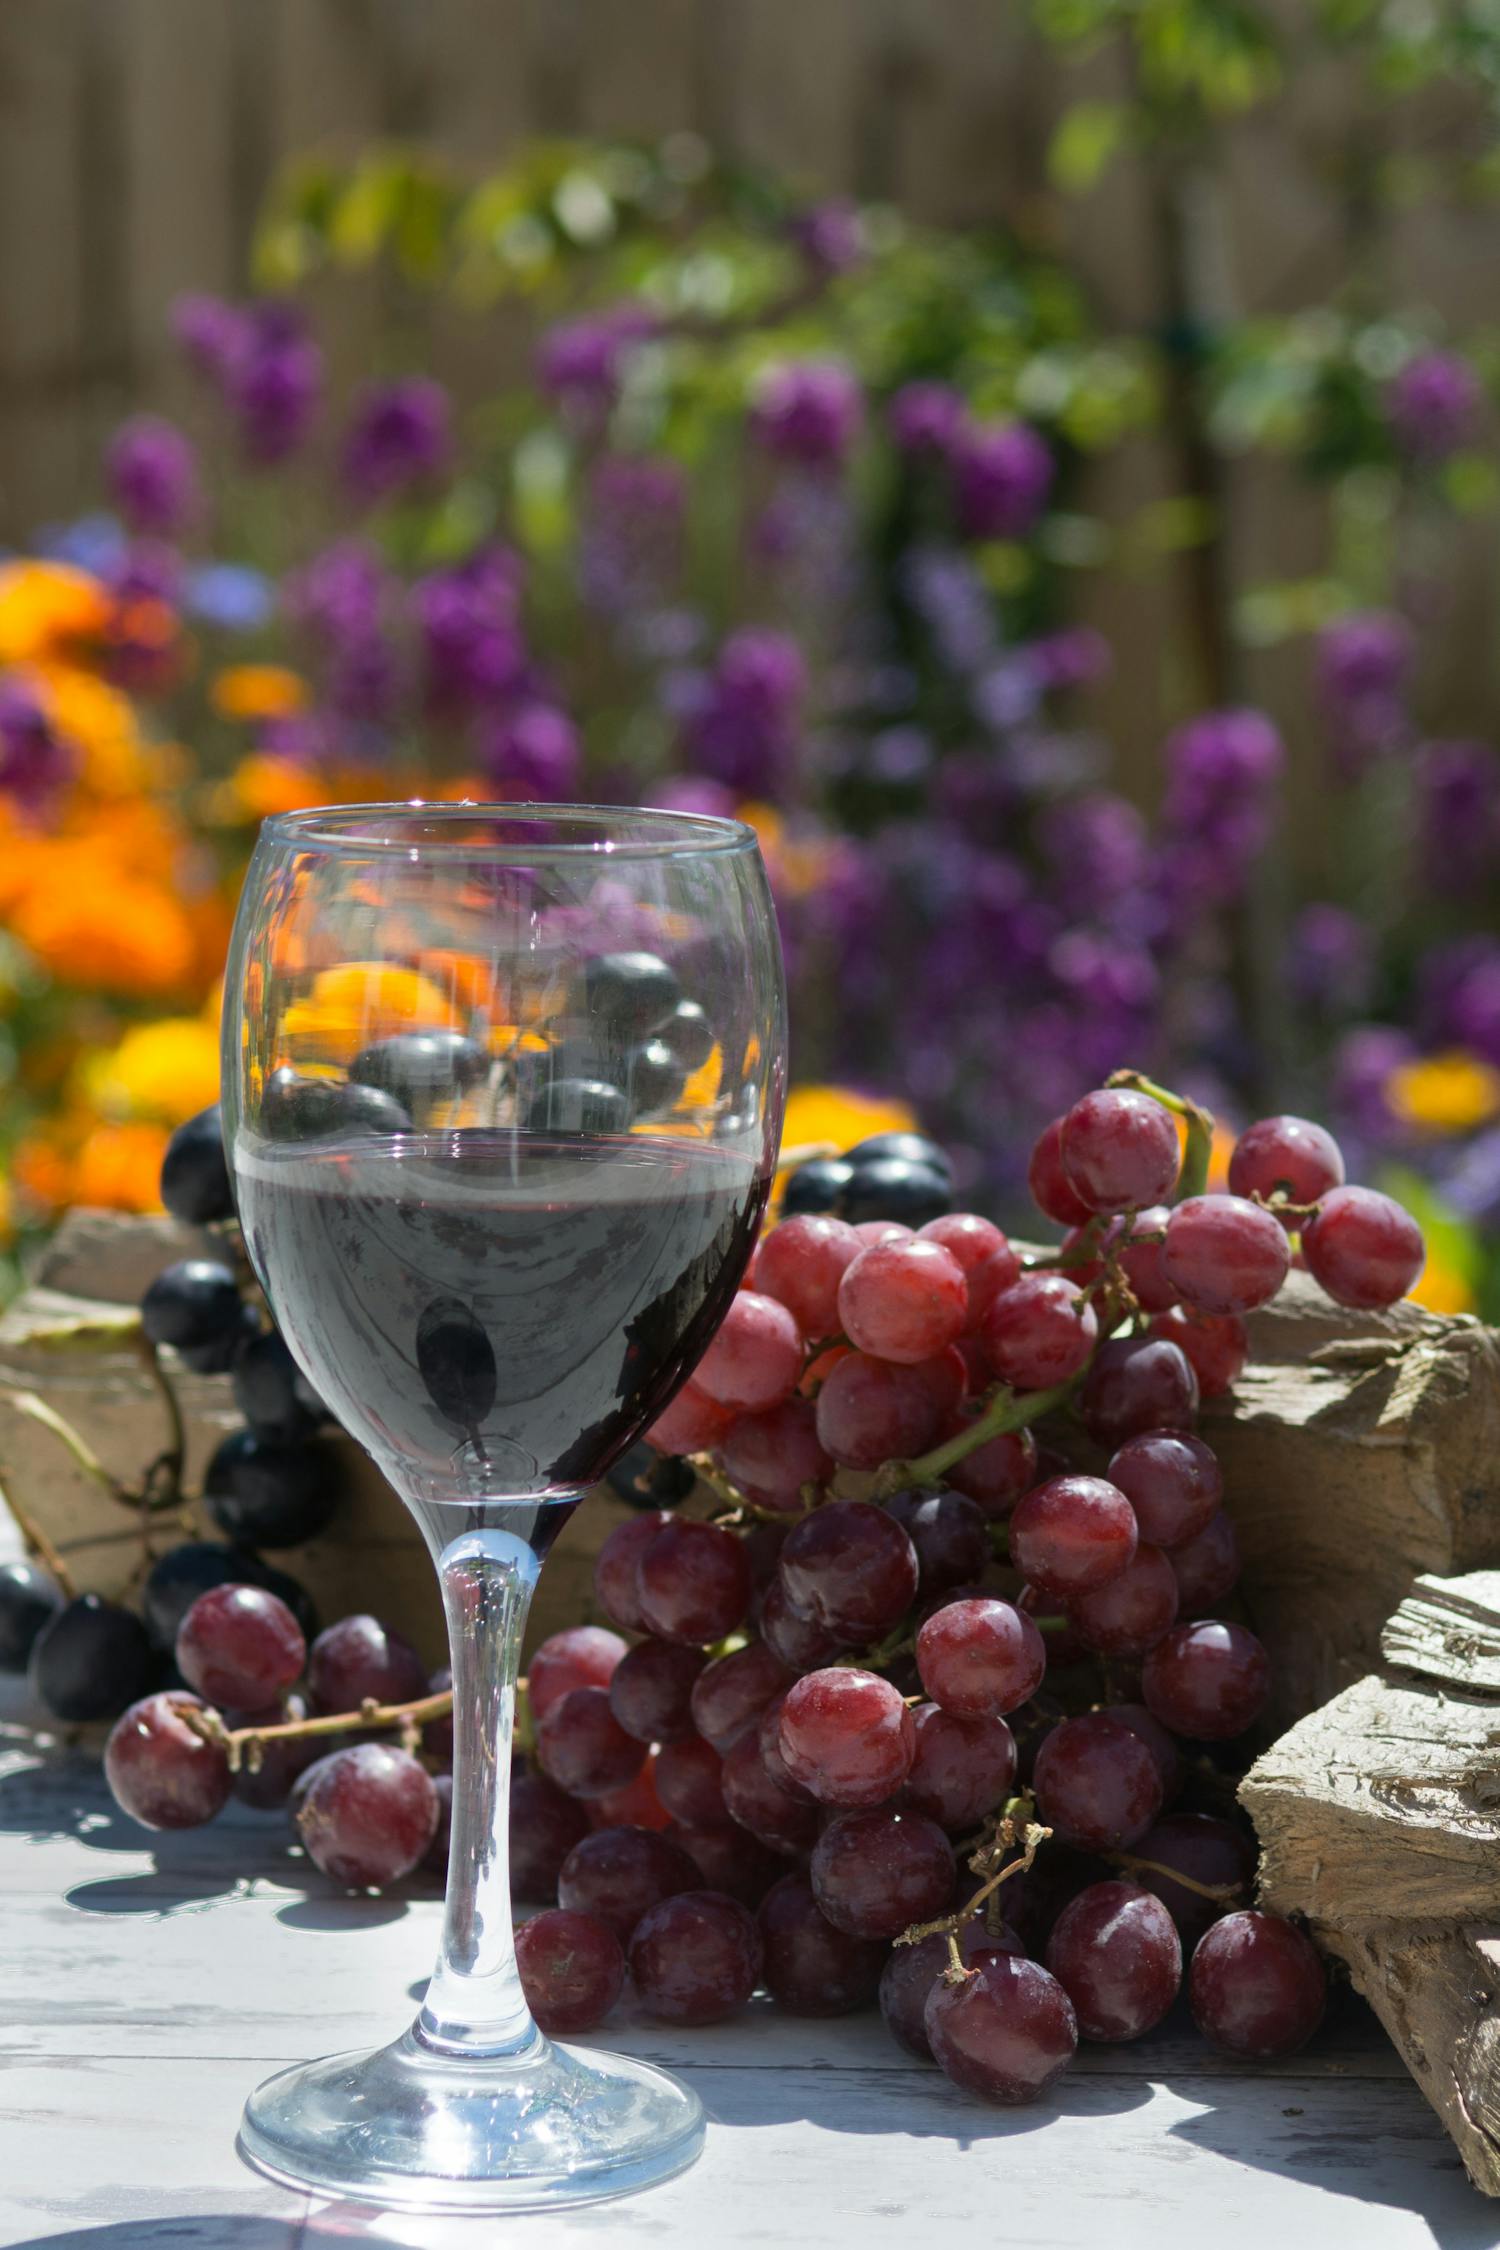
(38,1543)
(1014,1828)
(244,1744)
(165,1471)
(1222,1894)
(1193,1179)
(1007,1410)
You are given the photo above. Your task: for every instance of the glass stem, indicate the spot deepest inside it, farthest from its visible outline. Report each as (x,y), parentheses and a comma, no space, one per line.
(475,2005)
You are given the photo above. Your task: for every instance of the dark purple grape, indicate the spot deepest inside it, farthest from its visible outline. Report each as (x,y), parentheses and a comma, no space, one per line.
(650,1691)
(948,1533)
(195,1184)
(581,1745)
(161,1772)
(572,1969)
(30,1598)
(194,1303)
(1138,1383)
(852,1567)
(617,1873)
(367,1814)
(1257,1986)
(1096,1783)
(695,1958)
(1133,1612)
(617,1568)
(1209,1851)
(1208,1680)
(728,1859)
(240,1646)
(544,1826)
(961,1768)
(1206,1568)
(876,1873)
(1172,1481)
(689,1784)
(1071,1534)
(810,1968)
(579,1656)
(272,1392)
(757,1800)
(360,1659)
(693,1582)
(1004,2033)
(1161,1745)
(980,1658)
(265,1495)
(846,1736)
(1115,1951)
(91,1660)
(730,1694)
(912,1970)
(797,1641)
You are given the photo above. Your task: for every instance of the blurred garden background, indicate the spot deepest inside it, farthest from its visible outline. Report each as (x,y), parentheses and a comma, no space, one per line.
(1034,458)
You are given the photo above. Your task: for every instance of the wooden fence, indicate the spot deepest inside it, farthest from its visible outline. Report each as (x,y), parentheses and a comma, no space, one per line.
(137,138)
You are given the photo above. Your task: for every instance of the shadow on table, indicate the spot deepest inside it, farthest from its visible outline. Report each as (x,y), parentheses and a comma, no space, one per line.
(213,2230)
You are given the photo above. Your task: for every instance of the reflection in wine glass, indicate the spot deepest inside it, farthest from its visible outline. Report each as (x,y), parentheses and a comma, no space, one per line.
(502,1097)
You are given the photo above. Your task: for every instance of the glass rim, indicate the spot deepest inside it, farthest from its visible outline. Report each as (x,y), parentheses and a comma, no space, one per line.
(337,828)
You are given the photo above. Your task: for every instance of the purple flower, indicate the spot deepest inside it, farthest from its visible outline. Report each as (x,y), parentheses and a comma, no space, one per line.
(1462,993)
(212,335)
(1217,811)
(153,475)
(926,417)
(534,753)
(1097,848)
(631,548)
(690,793)
(581,362)
(1330,960)
(468,618)
(400,435)
(1471,1185)
(1362,1067)
(1433,405)
(1076,657)
(1363,666)
(954,604)
(1002,473)
(148,571)
(742,718)
(275,384)
(1458,811)
(808,410)
(34,760)
(831,235)
(343,598)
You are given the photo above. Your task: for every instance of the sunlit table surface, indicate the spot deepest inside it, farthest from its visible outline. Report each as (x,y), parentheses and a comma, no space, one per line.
(150,1982)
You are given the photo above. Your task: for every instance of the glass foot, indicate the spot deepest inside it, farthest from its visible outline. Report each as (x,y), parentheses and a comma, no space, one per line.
(414,2129)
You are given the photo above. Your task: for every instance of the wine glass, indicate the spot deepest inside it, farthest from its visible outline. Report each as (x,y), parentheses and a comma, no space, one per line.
(502,1097)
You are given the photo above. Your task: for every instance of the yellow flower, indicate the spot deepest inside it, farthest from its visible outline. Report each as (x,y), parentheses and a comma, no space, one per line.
(257,691)
(166,1071)
(48,609)
(1451,1092)
(838,1115)
(7,1211)
(1442,1287)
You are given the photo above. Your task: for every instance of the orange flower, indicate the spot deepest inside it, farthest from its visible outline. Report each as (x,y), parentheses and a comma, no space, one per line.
(263,785)
(257,691)
(92,924)
(42,1173)
(100,725)
(118,1167)
(49,610)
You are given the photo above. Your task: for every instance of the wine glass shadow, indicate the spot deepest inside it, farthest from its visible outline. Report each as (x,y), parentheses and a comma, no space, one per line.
(207,2230)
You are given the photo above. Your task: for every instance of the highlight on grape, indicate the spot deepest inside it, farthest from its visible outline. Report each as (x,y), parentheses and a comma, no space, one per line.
(916,1678)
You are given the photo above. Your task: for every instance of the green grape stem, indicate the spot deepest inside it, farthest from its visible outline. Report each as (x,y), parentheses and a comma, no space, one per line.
(1193,1179)
(1008,1410)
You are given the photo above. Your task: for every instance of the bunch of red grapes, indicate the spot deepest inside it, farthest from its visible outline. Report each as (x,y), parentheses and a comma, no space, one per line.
(932,1708)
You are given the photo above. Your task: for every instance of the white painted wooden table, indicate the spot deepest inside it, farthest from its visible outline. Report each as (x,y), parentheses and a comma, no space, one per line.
(150,1982)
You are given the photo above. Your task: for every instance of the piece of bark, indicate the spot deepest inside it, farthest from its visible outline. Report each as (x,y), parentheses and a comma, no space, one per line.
(1379,1820)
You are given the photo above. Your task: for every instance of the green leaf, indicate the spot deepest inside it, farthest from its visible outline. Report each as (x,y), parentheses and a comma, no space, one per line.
(1089,136)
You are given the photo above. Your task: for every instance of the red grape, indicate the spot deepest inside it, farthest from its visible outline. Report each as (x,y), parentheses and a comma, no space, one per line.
(580,1656)
(1051,1189)
(544,1827)
(1131,1613)
(616,1874)
(771,1456)
(1096,1783)
(1225,1255)
(1257,1986)
(1039,1332)
(1215,1345)
(810,1967)
(368,1814)
(1157,1740)
(961,1768)
(801,1263)
(1120,1150)
(239,1645)
(872,1231)
(731,1860)
(1004,2033)
(617,1568)
(649,1690)
(1363,1249)
(1207,1680)
(852,1567)
(980,1658)
(1206,1568)
(988,1261)
(730,1694)
(875,1873)
(948,1533)
(688,1783)
(695,1958)
(756,1355)
(1142,1264)
(359,1658)
(912,1970)
(268,1785)
(904,1301)
(581,1745)
(996,1473)
(1115,1951)
(794,1639)
(1072,1534)
(870,1411)
(1287,1156)
(694,1582)
(846,1736)
(768,1741)
(161,1772)
(572,1970)
(1062,1643)
(1138,1383)
(690,1423)
(1173,1482)
(785,1820)
(634,1804)
(1204,1849)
